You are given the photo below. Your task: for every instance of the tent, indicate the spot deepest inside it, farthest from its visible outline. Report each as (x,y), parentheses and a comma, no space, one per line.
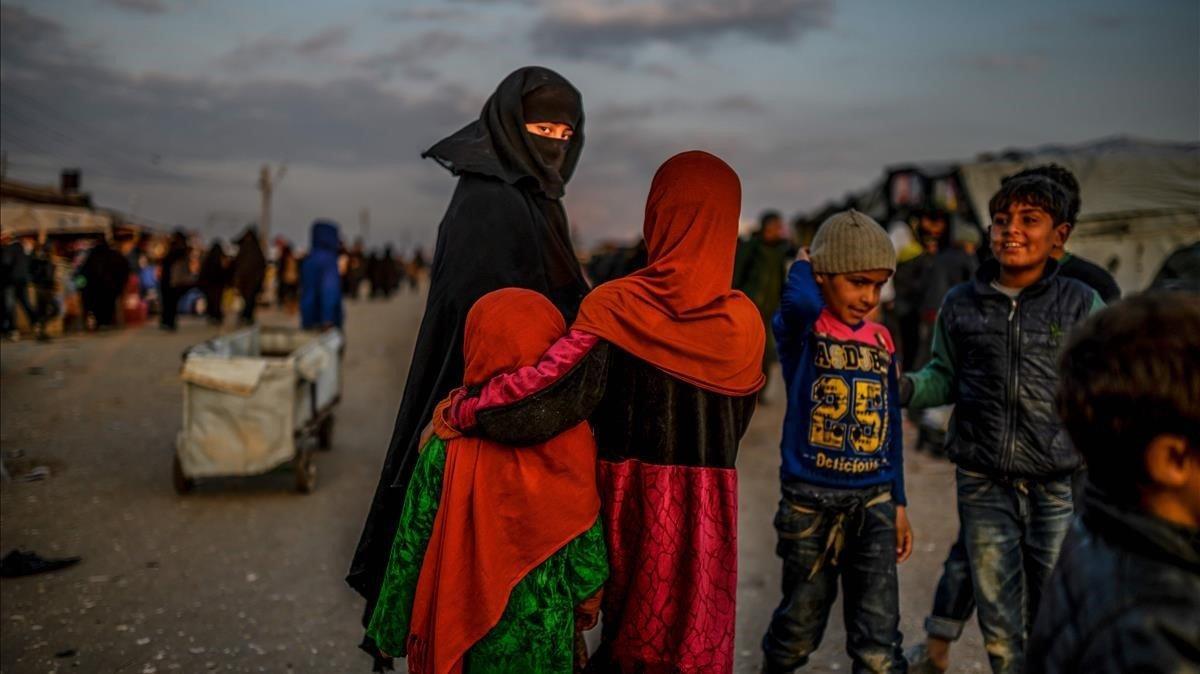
(1140,199)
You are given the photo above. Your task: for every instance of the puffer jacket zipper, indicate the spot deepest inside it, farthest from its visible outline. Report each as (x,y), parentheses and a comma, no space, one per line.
(1014,384)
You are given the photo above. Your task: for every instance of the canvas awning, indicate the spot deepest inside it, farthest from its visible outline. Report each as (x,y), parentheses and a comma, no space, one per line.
(22,219)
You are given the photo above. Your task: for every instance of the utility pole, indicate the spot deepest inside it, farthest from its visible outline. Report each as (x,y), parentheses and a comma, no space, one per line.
(264,215)
(266,185)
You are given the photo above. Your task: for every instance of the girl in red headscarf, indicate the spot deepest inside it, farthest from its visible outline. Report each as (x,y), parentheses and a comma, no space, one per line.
(665,363)
(499,551)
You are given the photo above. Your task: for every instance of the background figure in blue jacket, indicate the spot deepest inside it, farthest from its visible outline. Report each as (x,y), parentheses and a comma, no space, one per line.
(320,285)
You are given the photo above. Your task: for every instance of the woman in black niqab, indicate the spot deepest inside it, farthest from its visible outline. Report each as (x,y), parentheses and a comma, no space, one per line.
(505,227)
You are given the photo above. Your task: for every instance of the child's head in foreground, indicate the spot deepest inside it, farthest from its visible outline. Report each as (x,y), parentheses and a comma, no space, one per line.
(1129,395)
(1031,216)
(852,258)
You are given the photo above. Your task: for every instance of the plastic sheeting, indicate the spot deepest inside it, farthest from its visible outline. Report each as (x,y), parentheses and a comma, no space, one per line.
(1128,179)
(1140,201)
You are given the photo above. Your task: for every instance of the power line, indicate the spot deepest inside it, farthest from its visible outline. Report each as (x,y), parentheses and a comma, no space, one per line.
(82,148)
(89,147)
(96,139)
(28,146)
(45,110)
(109,166)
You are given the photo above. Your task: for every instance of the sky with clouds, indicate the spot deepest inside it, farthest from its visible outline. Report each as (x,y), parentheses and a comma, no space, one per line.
(170,106)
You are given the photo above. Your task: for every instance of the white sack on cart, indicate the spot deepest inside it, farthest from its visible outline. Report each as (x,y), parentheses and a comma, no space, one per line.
(232,375)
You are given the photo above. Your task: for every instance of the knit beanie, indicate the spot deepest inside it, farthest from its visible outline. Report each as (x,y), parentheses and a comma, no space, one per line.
(851,241)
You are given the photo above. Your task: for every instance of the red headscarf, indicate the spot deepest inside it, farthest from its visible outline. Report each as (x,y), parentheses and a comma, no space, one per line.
(679,313)
(504,510)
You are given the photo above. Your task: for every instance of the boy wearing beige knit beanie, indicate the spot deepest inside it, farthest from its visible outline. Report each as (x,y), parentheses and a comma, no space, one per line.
(842,514)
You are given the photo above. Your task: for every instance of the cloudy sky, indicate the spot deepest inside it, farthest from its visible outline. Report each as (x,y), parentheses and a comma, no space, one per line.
(171,106)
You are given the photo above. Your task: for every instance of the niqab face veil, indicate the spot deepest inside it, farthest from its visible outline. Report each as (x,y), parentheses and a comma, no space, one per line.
(552,151)
(498,145)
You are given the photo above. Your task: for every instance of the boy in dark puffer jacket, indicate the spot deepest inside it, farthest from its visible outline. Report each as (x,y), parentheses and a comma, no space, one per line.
(1125,596)
(995,346)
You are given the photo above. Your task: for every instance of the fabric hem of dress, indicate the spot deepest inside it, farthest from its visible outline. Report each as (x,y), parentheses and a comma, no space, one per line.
(415,640)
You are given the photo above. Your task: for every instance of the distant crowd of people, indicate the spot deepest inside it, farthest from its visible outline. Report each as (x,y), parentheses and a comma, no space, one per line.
(99,283)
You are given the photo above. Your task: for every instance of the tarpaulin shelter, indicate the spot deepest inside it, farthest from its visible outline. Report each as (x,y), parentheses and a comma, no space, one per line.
(1141,200)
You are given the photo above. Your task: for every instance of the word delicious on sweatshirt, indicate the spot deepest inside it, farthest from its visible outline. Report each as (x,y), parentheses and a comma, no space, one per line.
(842,427)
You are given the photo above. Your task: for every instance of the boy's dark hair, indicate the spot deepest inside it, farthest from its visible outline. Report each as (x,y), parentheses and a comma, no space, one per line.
(1038,191)
(1129,374)
(768,216)
(1061,176)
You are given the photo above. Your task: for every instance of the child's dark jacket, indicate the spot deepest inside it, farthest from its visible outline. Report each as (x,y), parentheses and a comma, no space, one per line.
(1125,597)
(996,358)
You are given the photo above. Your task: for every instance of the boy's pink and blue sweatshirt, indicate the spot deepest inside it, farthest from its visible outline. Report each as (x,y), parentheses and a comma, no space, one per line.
(843,426)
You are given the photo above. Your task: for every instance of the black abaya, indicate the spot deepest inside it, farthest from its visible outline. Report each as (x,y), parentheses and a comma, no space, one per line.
(106,271)
(505,227)
(172,289)
(249,269)
(212,281)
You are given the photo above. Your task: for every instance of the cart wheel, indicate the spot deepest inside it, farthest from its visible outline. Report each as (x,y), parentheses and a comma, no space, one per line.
(306,472)
(183,483)
(325,433)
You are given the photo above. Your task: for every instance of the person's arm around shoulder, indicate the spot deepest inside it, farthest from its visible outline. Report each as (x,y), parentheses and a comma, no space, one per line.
(534,403)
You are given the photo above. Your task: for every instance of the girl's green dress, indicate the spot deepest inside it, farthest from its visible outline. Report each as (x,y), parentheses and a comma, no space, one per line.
(536,632)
